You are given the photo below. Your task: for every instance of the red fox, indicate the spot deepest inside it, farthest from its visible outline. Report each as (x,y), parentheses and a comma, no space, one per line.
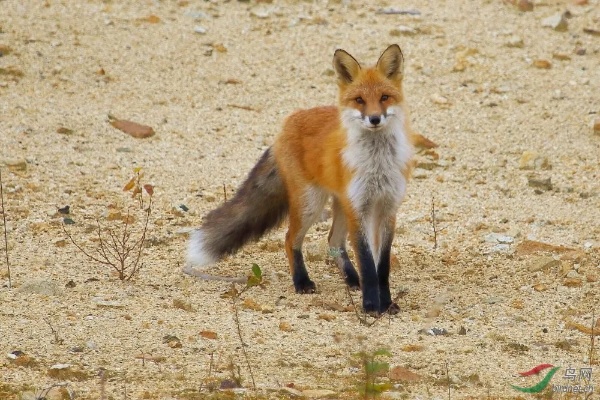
(358,153)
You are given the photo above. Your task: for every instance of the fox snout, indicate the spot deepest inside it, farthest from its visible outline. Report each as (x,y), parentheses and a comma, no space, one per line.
(374,120)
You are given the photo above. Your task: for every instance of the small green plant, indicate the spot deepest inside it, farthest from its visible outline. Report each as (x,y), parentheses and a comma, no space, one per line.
(374,370)
(117,246)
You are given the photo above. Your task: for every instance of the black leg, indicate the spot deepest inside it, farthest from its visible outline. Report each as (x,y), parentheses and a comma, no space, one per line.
(369,281)
(350,274)
(383,274)
(302,282)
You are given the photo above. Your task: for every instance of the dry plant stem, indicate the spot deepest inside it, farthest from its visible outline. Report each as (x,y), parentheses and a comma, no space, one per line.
(102,375)
(115,250)
(234,299)
(592,341)
(434,224)
(57,339)
(5,231)
(448,378)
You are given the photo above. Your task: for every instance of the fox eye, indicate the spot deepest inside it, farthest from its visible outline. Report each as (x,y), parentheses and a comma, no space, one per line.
(384,97)
(359,100)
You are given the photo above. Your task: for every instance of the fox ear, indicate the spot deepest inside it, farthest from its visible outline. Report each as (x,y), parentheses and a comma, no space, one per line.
(346,66)
(391,62)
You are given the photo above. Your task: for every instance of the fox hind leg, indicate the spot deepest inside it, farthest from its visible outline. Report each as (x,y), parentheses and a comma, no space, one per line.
(303,213)
(337,246)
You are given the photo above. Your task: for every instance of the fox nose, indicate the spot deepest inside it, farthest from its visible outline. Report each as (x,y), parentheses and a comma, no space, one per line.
(374,119)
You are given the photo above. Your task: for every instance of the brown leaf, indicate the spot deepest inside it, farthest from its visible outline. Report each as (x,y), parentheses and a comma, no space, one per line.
(208,335)
(182,305)
(572,282)
(423,142)
(402,374)
(250,304)
(285,327)
(133,129)
(412,347)
(542,64)
(326,317)
(129,185)
(531,246)
(149,189)
(152,19)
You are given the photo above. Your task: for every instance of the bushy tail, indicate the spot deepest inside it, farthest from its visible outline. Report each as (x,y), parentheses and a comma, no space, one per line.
(259,205)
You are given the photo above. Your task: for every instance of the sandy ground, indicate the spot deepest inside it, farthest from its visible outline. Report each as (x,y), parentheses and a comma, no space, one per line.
(513,280)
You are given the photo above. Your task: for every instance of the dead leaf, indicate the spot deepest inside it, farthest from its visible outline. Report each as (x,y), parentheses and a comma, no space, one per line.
(149,189)
(285,327)
(152,19)
(133,129)
(423,142)
(208,335)
(582,328)
(572,282)
(542,64)
(531,246)
(402,374)
(182,305)
(412,347)
(540,287)
(326,317)
(250,304)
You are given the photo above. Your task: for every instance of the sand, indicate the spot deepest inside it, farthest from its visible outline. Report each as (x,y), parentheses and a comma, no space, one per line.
(511,275)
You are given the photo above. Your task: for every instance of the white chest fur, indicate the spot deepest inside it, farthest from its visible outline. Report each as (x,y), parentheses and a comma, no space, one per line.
(377,158)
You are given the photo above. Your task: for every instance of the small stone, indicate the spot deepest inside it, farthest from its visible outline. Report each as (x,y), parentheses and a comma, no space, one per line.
(561,56)
(100,302)
(558,22)
(532,160)
(494,237)
(542,64)
(580,51)
(515,41)
(15,164)
(42,287)
(439,99)
(200,29)
(403,30)
(539,183)
(318,393)
(543,263)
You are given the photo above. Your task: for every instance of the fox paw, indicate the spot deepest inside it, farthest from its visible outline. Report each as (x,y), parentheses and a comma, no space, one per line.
(306,286)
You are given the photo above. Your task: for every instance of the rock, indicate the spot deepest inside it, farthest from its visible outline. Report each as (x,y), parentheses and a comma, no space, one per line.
(439,99)
(15,164)
(515,41)
(539,183)
(318,393)
(498,238)
(41,286)
(200,29)
(542,64)
(100,302)
(403,374)
(403,30)
(558,22)
(543,263)
(531,160)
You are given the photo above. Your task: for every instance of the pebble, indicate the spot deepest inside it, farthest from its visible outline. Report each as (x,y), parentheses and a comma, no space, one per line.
(41,286)
(403,30)
(439,99)
(558,22)
(318,393)
(515,41)
(542,64)
(532,160)
(200,29)
(15,164)
(543,263)
(539,183)
(498,238)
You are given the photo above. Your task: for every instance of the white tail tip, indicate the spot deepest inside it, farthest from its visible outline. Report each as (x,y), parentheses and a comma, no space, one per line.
(198,255)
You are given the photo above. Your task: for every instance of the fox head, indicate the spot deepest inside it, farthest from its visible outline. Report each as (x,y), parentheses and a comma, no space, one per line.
(370,97)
